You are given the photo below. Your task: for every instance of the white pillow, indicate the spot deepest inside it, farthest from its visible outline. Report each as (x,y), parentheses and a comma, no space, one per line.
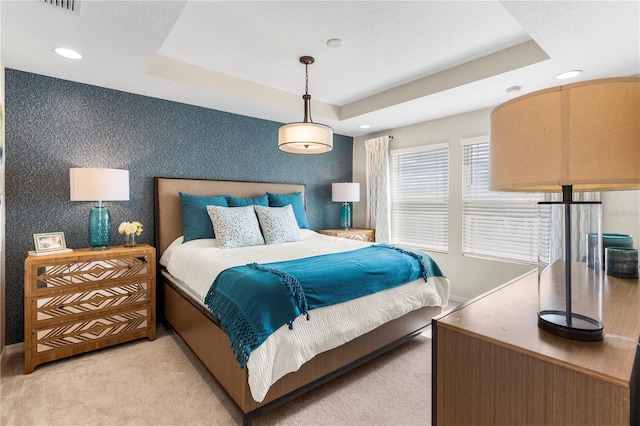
(279,224)
(235,226)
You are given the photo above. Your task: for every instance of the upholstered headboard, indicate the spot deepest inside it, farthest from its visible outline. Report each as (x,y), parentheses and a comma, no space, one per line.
(168,210)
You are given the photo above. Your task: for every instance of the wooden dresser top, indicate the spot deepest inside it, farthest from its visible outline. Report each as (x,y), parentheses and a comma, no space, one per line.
(507,316)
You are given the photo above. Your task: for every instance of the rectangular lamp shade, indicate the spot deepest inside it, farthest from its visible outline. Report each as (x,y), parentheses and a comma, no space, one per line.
(585,134)
(95,184)
(345,192)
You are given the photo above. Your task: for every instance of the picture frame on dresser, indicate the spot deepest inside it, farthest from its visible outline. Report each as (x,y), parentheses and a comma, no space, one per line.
(49,242)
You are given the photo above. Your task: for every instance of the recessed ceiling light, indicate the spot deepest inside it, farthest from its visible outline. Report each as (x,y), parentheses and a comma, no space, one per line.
(513,89)
(365,126)
(67,53)
(568,74)
(334,43)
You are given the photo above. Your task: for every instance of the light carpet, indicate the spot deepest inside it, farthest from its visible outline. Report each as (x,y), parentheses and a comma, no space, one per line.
(161,383)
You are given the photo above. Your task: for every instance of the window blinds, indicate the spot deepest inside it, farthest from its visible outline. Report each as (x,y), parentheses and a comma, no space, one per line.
(495,224)
(420,197)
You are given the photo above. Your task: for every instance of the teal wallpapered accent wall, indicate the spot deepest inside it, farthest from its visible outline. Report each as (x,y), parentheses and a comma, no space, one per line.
(53,125)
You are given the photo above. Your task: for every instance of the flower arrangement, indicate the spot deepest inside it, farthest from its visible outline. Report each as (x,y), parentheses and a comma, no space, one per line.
(130,228)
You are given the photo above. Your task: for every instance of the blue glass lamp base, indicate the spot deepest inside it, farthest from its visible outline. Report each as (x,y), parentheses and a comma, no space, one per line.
(345,216)
(99,227)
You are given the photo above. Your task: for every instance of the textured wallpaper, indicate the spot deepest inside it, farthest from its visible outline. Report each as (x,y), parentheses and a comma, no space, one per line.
(53,125)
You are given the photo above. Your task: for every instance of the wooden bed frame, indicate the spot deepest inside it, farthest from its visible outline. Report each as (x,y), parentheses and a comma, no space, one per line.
(197,327)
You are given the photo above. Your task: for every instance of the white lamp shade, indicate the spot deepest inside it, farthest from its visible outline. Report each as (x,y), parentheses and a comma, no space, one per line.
(345,192)
(305,138)
(88,184)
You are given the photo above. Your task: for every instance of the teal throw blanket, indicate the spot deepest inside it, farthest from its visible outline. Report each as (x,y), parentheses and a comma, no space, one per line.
(252,301)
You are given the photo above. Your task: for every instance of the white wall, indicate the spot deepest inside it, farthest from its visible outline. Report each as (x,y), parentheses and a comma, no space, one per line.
(621,213)
(470,276)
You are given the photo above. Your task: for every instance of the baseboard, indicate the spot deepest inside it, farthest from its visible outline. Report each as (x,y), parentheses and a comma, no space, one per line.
(9,350)
(458,299)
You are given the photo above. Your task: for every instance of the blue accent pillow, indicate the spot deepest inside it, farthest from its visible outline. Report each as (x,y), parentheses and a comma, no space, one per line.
(297,203)
(262,200)
(195,218)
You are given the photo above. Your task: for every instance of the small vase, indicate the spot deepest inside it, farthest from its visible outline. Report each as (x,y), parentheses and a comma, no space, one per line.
(131,240)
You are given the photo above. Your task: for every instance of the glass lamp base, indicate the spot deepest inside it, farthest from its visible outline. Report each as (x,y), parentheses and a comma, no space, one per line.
(569,270)
(345,216)
(99,227)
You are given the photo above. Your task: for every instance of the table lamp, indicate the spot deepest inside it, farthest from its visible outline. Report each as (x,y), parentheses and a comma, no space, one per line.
(94,184)
(577,137)
(345,193)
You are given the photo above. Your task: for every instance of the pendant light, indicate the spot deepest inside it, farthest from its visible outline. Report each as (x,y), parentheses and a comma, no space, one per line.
(306,137)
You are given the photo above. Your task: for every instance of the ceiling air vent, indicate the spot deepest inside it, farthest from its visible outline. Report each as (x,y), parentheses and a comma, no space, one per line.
(72,6)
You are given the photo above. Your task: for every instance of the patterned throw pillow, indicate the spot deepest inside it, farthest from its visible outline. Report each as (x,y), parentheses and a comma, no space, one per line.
(278,224)
(235,226)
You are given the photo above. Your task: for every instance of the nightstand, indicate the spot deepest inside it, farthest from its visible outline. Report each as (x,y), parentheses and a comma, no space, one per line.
(83,300)
(352,233)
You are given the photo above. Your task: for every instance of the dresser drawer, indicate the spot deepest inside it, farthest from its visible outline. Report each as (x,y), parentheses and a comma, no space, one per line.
(60,306)
(78,333)
(73,273)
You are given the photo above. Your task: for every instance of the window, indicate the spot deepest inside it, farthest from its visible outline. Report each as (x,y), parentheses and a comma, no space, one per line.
(495,224)
(420,196)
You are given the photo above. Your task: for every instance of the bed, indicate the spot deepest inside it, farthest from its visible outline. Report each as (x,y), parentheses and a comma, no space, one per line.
(187,315)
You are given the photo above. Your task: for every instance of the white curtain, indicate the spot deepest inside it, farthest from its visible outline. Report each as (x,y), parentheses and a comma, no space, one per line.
(378,193)
(581,224)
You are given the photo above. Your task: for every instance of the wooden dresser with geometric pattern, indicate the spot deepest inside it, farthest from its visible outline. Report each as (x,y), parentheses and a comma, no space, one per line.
(86,299)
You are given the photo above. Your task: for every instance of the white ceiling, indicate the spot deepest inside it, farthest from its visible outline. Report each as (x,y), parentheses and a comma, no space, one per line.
(400,62)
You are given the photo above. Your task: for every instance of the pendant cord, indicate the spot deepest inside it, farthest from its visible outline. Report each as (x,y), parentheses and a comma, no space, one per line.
(307,96)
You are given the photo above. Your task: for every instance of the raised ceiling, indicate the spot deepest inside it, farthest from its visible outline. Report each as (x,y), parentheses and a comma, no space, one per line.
(400,62)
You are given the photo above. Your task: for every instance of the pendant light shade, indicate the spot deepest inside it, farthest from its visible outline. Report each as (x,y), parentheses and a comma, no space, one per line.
(305,137)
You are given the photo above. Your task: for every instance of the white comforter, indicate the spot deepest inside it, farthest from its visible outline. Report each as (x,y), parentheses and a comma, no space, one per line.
(197,263)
